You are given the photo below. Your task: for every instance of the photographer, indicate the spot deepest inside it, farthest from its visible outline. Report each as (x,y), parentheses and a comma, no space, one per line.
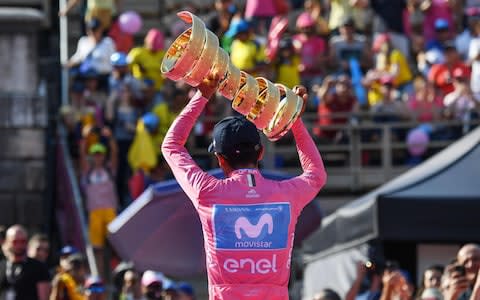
(367,284)
(338,102)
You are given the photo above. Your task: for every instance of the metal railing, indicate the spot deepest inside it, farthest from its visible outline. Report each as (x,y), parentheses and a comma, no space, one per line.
(346,161)
(70,209)
(71,180)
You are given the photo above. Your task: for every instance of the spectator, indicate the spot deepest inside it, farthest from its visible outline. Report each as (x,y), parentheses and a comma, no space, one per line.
(124,41)
(286,64)
(337,103)
(441,74)
(441,37)
(65,253)
(185,291)
(462,41)
(474,59)
(146,61)
(219,22)
(367,283)
(431,294)
(315,9)
(326,294)
(122,77)
(312,50)
(431,282)
(469,257)
(93,51)
(123,115)
(455,283)
(95,289)
(67,284)
(101,197)
(94,93)
(245,53)
(390,108)
(39,247)
(343,10)
(425,104)
(391,62)
(103,10)
(170,291)
(21,277)
(347,46)
(152,285)
(438,17)
(395,286)
(461,104)
(131,289)
(413,23)
(260,14)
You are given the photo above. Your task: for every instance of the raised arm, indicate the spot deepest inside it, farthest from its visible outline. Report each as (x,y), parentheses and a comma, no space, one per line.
(188,174)
(314,176)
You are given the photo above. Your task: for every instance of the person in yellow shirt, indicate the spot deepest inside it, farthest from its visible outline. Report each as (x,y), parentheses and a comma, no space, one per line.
(245,53)
(67,285)
(287,64)
(392,62)
(146,61)
(99,9)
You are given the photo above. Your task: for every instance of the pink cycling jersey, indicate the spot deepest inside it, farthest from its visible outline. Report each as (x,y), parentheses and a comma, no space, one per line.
(248,221)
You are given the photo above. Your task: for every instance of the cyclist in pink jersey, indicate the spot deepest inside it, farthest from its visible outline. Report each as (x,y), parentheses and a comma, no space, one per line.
(248,221)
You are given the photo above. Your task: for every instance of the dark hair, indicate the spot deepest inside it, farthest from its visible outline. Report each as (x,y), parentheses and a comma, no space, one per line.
(3,232)
(77,261)
(327,294)
(245,158)
(39,237)
(438,268)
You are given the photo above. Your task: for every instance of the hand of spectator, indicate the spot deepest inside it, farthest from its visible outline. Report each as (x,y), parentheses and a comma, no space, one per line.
(62,13)
(455,283)
(361,266)
(329,81)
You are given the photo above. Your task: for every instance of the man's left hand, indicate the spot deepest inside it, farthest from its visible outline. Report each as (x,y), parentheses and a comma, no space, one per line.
(209,86)
(301,91)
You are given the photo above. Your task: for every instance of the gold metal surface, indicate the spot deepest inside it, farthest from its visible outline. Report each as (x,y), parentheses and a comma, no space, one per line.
(244,100)
(195,55)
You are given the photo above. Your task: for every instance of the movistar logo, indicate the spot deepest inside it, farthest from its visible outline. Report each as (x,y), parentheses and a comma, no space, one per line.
(253,231)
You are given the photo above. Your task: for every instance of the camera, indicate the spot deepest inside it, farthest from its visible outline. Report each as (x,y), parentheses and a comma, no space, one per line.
(460,270)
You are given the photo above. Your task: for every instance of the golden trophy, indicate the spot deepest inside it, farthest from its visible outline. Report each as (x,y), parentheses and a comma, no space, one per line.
(196,53)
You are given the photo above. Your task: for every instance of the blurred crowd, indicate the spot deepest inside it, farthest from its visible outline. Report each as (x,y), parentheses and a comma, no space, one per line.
(29,270)
(363,62)
(457,279)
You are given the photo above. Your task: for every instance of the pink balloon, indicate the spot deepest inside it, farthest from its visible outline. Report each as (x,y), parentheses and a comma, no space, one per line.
(417,142)
(130,22)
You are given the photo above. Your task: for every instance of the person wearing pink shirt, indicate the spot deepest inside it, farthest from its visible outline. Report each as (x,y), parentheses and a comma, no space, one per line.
(311,48)
(248,221)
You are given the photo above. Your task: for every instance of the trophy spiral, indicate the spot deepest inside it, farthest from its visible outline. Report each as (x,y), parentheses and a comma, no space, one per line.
(196,53)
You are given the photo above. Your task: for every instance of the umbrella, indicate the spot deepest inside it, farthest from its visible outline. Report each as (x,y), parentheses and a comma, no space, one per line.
(161,229)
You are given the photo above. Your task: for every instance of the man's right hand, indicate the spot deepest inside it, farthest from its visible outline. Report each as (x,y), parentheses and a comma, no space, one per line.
(209,86)
(301,91)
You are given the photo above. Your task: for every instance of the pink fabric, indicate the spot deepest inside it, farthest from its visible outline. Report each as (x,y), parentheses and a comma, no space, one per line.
(248,221)
(310,48)
(439,10)
(425,109)
(260,8)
